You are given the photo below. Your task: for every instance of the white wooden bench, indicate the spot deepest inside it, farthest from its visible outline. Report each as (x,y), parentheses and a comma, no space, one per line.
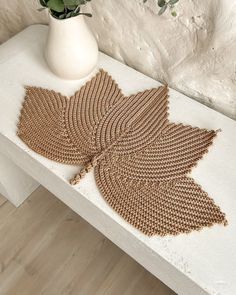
(197,263)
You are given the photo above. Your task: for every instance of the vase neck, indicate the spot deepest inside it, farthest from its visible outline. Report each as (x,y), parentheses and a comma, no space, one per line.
(68,22)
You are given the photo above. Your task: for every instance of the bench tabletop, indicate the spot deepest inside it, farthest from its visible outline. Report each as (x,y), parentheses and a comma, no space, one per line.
(201,262)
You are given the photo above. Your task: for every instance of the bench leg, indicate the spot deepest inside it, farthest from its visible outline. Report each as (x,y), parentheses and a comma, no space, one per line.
(15,184)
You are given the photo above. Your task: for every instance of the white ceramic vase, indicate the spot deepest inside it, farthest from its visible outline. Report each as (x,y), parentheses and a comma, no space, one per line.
(71,50)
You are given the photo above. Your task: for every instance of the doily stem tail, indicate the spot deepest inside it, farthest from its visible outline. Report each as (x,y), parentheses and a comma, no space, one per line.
(87,168)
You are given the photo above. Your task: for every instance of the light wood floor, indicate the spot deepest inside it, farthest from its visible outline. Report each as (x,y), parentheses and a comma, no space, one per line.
(47,249)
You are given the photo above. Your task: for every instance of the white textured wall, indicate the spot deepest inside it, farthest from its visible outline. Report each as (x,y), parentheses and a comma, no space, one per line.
(194,52)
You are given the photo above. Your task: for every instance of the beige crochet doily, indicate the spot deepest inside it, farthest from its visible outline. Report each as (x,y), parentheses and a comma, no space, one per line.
(141,160)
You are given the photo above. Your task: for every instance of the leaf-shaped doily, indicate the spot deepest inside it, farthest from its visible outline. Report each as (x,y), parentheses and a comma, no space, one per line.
(141,160)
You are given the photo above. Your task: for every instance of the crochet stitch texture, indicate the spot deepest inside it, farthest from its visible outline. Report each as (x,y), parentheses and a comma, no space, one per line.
(140,159)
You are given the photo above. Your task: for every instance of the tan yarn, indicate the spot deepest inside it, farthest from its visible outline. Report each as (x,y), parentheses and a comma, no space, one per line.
(141,160)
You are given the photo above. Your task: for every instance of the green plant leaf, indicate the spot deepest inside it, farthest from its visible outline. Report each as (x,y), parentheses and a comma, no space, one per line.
(43,3)
(56,5)
(75,2)
(71,7)
(62,16)
(172,2)
(71,2)
(173,13)
(161,3)
(77,9)
(69,14)
(162,10)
